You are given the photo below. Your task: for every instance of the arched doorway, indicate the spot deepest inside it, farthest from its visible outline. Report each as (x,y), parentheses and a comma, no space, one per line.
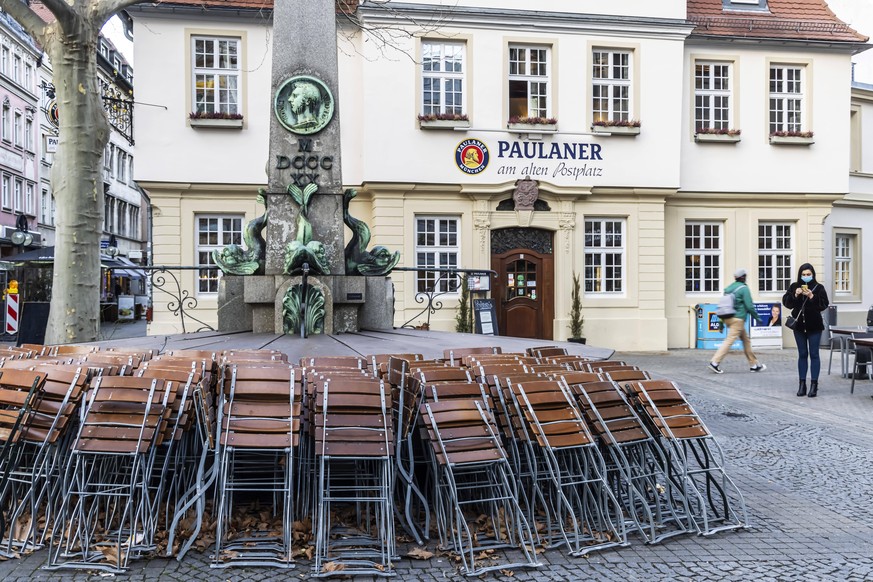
(524,293)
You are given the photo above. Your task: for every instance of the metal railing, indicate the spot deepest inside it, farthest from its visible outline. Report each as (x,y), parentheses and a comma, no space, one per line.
(439,287)
(163,278)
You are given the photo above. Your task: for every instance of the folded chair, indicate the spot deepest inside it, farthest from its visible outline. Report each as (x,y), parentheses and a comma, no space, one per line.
(637,468)
(18,390)
(105,506)
(259,424)
(29,497)
(456,355)
(715,503)
(578,508)
(353,525)
(472,478)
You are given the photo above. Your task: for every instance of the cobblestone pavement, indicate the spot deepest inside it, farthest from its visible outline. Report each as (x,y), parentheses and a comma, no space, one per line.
(804,465)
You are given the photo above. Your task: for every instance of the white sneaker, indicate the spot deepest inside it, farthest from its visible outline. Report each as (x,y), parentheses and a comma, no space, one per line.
(759,367)
(714,367)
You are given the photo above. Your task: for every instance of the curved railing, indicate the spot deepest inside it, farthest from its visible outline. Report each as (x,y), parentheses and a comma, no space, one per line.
(430,296)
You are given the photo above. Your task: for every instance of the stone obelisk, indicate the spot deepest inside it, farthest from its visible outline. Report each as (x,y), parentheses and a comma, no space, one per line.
(305,48)
(304,262)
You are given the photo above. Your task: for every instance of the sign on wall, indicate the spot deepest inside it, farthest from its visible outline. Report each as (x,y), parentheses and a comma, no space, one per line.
(51,143)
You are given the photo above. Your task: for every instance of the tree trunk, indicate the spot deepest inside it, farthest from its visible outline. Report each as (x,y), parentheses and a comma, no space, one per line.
(77,181)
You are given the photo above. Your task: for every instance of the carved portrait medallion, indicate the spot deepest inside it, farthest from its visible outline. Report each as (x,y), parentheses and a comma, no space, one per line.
(304,105)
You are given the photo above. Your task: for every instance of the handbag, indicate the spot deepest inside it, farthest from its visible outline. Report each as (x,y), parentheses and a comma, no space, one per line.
(791,321)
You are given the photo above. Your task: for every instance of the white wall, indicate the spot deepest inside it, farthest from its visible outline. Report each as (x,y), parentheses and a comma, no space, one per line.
(645,8)
(395,149)
(753,164)
(175,152)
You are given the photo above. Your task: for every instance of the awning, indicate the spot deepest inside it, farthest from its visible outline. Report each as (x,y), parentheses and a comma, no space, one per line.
(47,255)
(129,273)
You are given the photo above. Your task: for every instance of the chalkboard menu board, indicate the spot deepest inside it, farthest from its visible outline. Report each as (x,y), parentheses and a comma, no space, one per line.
(34,318)
(486,316)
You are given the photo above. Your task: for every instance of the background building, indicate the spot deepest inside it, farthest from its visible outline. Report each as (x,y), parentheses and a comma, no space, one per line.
(677,142)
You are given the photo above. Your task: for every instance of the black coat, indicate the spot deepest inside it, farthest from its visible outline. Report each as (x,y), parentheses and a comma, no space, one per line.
(810,321)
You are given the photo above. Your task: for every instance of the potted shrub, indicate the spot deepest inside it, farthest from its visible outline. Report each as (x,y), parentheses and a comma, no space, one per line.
(464,316)
(576,317)
(523,124)
(443,120)
(617,127)
(215,119)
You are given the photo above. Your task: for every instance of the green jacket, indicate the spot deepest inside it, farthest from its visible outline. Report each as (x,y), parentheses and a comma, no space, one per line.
(742,300)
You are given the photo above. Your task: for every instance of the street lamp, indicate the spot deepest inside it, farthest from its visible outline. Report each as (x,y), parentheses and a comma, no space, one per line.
(112,249)
(21,237)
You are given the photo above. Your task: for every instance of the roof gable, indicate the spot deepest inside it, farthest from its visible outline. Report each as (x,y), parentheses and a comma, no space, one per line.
(800,20)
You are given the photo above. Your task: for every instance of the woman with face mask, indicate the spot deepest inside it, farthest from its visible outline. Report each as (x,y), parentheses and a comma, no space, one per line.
(806,299)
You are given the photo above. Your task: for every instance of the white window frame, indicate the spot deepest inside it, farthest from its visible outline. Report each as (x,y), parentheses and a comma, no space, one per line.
(29,191)
(703,256)
(18,129)
(437,246)
(28,134)
(608,88)
(208,275)
(7,191)
(787,98)
(436,57)
(45,206)
(4,60)
(603,253)
(847,282)
(775,256)
(17,194)
(713,99)
(16,69)
(214,103)
(535,75)
(6,123)
(121,166)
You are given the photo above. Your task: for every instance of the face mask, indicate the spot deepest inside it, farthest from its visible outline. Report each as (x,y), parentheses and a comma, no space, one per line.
(806,279)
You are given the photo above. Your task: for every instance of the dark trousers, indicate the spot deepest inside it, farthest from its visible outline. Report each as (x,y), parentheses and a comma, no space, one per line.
(807,349)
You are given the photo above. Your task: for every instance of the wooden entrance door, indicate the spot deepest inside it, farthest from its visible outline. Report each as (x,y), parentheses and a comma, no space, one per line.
(524,293)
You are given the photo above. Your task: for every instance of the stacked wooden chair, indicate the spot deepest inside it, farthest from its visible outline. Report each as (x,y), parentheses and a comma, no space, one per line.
(692,454)
(259,434)
(354,445)
(106,507)
(653,503)
(29,495)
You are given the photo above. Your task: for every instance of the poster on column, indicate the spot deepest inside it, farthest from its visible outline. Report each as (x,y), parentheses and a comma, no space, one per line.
(767,333)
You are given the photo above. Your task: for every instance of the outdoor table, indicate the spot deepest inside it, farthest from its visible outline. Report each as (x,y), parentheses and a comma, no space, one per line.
(844,334)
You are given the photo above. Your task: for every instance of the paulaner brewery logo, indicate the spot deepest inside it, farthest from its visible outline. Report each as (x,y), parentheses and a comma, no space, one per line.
(472,156)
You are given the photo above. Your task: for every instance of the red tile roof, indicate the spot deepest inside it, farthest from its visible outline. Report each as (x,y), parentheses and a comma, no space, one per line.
(787,19)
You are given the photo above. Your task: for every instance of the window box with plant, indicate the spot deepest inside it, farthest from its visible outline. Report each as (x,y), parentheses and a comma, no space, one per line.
(791,138)
(616,127)
(712,135)
(443,121)
(532,124)
(215,119)
(577,320)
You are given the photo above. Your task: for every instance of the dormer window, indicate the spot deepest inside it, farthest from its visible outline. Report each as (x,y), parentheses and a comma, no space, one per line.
(746,5)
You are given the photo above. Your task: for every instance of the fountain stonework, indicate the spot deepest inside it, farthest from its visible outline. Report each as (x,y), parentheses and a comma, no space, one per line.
(306,208)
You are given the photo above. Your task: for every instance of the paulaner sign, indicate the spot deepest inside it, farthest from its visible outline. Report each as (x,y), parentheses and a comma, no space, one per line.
(562,161)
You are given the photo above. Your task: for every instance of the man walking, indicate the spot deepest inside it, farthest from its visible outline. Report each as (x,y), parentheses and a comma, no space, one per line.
(735,324)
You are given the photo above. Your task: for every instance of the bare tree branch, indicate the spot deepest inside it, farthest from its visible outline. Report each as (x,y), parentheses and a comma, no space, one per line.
(63,11)
(33,24)
(106,8)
